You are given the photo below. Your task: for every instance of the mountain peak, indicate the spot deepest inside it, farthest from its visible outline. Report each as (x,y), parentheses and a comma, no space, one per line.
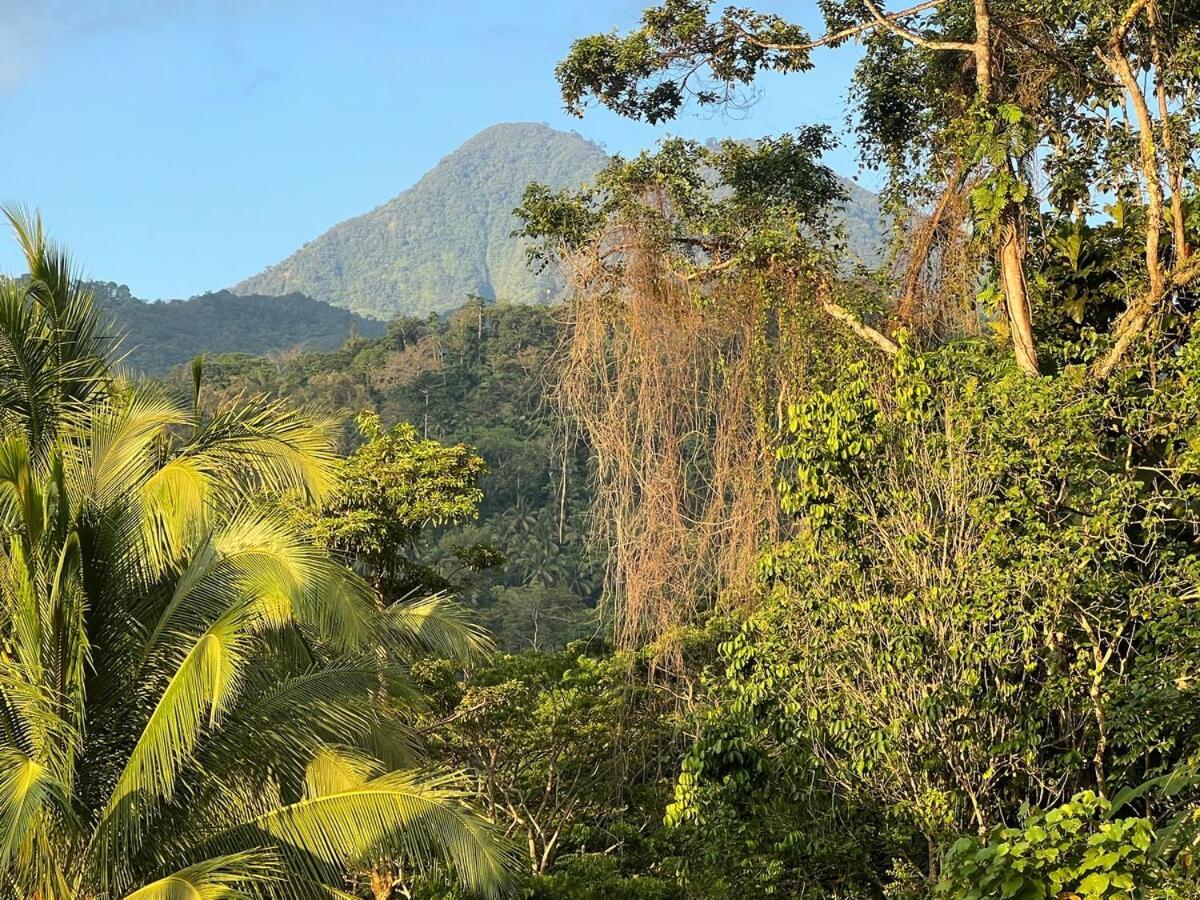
(527,130)
(446,237)
(450,235)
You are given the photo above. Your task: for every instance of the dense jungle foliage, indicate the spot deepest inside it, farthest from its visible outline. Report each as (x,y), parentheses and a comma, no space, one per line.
(959,661)
(480,376)
(809,582)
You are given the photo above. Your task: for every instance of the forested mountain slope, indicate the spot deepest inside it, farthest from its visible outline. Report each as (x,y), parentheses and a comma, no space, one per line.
(477,376)
(445,238)
(450,235)
(159,336)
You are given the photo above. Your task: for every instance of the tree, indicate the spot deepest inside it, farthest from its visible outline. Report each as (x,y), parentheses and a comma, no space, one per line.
(955,97)
(694,271)
(559,741)
(194,697)
(390,489)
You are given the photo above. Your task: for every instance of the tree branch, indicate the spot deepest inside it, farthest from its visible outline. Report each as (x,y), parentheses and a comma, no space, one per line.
(909,35)
(1133,320)
(836,36)
(855,324)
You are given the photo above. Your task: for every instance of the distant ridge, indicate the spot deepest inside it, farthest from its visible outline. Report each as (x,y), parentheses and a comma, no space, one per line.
(446,237)
(160,336)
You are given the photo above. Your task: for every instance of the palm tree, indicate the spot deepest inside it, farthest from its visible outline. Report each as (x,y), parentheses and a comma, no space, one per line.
(195,701)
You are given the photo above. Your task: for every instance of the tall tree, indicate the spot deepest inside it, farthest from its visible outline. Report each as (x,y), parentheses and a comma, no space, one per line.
(967,98)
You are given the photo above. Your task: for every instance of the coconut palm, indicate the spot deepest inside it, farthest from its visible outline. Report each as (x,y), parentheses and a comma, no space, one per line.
(195,701)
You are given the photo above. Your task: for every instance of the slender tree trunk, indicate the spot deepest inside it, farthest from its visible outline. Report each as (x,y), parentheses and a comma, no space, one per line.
(1133,320)
(1011,250)
(1012,246)
(1016,294)
(983,50)
(1174,167)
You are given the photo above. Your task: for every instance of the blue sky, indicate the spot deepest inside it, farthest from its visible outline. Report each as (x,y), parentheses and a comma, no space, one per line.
(180,145)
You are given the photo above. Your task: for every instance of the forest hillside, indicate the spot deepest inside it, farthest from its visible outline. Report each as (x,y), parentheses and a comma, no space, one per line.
(159,336)
(449,236)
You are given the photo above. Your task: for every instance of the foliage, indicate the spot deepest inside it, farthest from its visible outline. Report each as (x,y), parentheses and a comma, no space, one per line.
(196,699)
(477,378)
(715,199)
(390,489)
(562,743)
(988,599)
(953,98)
(983,598)
(541,618)
(677,55)
(1074,849)
(598,877)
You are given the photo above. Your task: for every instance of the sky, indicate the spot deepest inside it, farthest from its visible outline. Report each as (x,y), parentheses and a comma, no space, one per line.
(178,146)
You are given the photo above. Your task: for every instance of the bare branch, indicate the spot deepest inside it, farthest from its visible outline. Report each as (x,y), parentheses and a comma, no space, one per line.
(908,34)
(836,36)
(855,324)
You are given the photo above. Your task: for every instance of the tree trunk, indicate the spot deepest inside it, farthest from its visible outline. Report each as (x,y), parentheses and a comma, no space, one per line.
(1012,248)
(983,50)
(382,883)
(1174,168)
(1016,295)
(1133,320)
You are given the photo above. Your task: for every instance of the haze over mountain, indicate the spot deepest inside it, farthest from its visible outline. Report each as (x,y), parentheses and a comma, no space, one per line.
(449,236)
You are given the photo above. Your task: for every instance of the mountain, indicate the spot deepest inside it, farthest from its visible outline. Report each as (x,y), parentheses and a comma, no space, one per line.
(867,226)
(446,237)
(449,236)
(160,336)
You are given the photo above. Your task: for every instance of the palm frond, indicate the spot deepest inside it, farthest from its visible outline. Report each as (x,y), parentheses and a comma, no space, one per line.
(196,695)
(259,553)
(18,501)
(418,816)
(436,625)
(30,387)
(31,801)
(117,447)
(78,342)
(276,729)
(234,876)
(333,770)
(262,445)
